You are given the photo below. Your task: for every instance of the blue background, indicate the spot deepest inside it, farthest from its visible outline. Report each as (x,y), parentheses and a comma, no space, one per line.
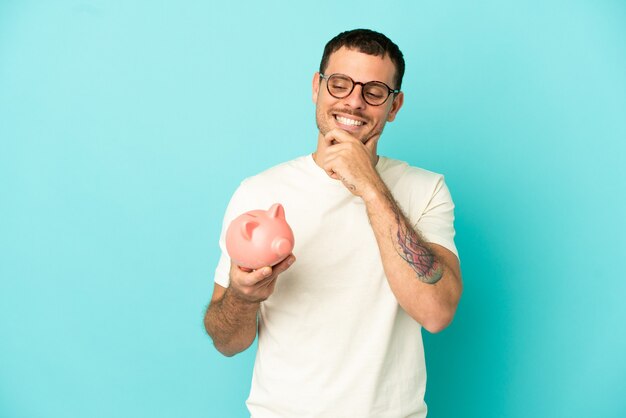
(125,127)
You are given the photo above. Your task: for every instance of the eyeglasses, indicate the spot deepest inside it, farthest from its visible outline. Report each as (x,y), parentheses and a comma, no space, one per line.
(374,93)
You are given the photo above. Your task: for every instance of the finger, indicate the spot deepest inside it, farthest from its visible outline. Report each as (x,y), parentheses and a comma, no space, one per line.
(275,271)
(335,152)
(323,159)
(266,282)
(239,270)
(339,136)
(333,163)
(285,264)
(335,136)
(329,140)
(256,276)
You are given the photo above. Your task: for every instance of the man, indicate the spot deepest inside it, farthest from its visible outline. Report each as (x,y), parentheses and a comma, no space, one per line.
(340,328)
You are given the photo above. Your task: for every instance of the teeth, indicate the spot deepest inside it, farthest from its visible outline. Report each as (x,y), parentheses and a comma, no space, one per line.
(347,121)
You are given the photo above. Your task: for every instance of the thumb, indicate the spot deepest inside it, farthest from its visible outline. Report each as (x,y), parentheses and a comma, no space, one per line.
(262,273)
(371,143)
(258,275)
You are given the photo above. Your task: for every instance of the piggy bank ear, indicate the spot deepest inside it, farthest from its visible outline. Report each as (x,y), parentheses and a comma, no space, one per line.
(247,227)
(277,211)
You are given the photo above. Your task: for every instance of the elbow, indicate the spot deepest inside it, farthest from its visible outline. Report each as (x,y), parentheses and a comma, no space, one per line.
(227,348)
(227,352)
(439,320)
(232,348)
(436,325)
(222,348)
(441,316)
(227,343)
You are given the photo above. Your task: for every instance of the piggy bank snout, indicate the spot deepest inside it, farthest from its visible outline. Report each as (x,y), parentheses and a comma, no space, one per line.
(282,246)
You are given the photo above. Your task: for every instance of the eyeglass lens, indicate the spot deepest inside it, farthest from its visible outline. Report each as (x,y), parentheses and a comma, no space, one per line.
(375,93)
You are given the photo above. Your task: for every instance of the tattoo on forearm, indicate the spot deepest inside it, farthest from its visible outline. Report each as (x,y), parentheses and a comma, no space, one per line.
(415,252)
(350,186)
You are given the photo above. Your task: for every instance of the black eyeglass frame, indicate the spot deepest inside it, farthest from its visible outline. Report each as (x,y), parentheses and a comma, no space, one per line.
(390,91)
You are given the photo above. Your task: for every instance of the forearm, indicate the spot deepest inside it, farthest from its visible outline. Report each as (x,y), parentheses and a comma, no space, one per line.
(424,284)
(231,323)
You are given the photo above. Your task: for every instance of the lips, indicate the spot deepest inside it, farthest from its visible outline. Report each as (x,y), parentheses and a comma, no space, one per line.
(348,121)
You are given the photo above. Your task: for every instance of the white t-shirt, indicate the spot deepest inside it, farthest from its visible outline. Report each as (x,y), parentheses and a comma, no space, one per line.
(333,341)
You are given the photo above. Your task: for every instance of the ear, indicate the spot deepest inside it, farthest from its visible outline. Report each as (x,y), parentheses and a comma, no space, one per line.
(316,86)
(247,227)
(277,211)
(397,103)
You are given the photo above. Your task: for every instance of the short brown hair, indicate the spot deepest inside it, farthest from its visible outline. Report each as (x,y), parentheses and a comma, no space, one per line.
(368,42)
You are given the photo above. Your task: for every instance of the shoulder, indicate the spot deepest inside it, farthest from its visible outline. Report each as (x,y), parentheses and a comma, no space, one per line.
(275,184)
(403,175)
(277,173)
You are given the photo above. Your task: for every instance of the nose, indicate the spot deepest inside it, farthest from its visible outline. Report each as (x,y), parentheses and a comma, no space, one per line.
(355,99)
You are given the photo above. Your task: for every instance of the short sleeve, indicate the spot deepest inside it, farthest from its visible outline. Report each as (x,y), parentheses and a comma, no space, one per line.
(436,223)
(236,206)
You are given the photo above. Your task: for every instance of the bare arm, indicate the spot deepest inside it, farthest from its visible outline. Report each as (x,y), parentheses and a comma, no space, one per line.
(230,322)
(231,318)
(425,278)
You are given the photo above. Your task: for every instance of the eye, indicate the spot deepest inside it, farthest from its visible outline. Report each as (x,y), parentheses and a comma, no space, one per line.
(374,95)
(340,83)
(376,91)
(339,86)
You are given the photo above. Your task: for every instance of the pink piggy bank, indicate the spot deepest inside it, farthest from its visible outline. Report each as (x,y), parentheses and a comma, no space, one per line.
(259,238)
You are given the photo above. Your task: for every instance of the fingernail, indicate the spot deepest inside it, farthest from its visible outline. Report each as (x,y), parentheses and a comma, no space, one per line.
(266,271)
(291,260)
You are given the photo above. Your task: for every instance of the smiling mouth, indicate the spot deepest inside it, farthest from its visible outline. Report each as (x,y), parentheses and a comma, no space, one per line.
(348,121)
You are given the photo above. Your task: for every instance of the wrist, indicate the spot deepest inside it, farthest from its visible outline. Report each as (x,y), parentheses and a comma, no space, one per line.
(238,300)
(375,194)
